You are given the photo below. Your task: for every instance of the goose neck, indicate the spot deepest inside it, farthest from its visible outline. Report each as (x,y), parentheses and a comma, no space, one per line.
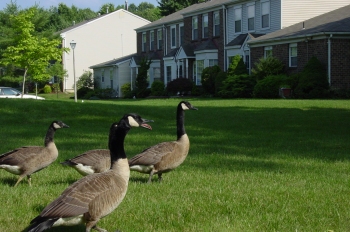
(116,143)
(180,122)
(49,135)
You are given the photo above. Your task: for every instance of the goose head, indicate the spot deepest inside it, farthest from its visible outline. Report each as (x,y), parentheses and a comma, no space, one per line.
(135,120)
(59,125)
(185,105)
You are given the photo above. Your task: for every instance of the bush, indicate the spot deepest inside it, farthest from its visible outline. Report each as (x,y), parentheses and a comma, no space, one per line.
(126,89)
(182,85)
(56,87)
(237,66)
(238,86)
(47,89)
(82,92)
(85,80)
(269,86)
(208,78)
(313,82)
(267,67)
(105,93)
(157,88)
(220,78)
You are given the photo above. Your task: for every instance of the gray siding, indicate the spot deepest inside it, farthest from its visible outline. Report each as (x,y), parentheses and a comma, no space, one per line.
(295,11)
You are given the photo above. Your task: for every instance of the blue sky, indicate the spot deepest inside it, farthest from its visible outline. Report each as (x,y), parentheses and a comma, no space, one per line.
(92,4)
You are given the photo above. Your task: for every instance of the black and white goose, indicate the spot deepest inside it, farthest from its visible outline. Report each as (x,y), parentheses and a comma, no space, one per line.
(24,161)
(89,162)
(165,156)
(94,196)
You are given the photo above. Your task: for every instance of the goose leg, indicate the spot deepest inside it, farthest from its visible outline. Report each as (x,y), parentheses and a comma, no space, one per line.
(99,229)
(150,176)
(19,180)
(29,180)
(160,177)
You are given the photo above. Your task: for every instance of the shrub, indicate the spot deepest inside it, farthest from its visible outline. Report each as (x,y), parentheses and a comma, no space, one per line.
(220,78)
(157,88)
(269,86)
(237,66)
(313,82)
(85,80)
(267,67)
(238,86)
(141,79)
(83,91)
(47,89)
(182,85)
(105,93)
(126,90)
(208,78)
(56,87)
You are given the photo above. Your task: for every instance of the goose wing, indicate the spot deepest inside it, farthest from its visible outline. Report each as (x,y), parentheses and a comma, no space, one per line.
(20,155)
(89,158)
(154,154)
(76,198)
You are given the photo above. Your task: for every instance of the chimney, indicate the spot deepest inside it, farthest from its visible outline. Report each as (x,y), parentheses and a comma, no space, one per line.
(126,4)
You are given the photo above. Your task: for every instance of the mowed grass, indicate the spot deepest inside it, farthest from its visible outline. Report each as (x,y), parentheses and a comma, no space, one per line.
(253,165)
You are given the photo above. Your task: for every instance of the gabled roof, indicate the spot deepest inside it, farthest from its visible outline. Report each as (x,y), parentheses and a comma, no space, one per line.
(206,45)
(240,39)
(337,21)
(113,62)
(178,16)
(172,52)
(98,17)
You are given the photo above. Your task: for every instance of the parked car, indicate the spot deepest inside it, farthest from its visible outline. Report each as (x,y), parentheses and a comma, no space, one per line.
(8,92)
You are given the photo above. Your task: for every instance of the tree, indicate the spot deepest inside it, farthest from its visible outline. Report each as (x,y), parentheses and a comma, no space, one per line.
(31,53)
(168,7)
(141,79)
(57,70)
(237,66)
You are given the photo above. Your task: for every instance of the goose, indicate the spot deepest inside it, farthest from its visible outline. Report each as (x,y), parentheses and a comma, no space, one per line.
(94,196)
(165,156)
(24,161)
(89,162)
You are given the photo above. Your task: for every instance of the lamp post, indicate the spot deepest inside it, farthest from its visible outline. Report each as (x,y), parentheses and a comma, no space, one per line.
(72,45)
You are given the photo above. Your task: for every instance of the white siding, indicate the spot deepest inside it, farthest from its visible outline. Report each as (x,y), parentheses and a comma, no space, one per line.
(124,73)
(295,11)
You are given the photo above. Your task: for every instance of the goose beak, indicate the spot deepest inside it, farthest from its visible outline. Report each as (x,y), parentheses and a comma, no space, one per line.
(145,125)
(65,126)
(194,108)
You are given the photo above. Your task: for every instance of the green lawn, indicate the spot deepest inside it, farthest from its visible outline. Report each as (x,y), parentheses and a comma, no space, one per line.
(253,165)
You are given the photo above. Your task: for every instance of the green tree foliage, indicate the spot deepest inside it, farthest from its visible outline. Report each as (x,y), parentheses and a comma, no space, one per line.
(208,79)
(237,86)
(269,86)
(31,53)
(266,67)
(168,7)
(85,80)
(237,66)
(142,76)
(313,82)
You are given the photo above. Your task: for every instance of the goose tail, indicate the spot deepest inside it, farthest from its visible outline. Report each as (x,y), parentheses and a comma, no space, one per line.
(39,224)
(68,163)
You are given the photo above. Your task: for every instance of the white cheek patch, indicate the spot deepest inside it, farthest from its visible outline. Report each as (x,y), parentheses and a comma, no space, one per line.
(132,122)
(184,107)
(55,125)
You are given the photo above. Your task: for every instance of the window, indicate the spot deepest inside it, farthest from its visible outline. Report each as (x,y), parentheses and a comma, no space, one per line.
(144,41)
(182,34)
(238,20)
(216,20)
(173,36)
(160,39)
(213,62)
(293,55)
(168,73)
(251,17)
(151,43)
(200,67)
(156,74)
(103,76)
(194,28)
(267,51)
(265,14)
(205,26)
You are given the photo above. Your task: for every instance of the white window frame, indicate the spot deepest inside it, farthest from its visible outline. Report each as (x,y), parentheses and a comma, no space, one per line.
(251,15)
(194,28)
(213,62)
(144,41)
(173,36)
(102,76)
(151,40)
(216,23)
(160,39)
(293,54)
(181,39)
(267,51)
(168,77)
(265,12)
(205,25)
(238,19)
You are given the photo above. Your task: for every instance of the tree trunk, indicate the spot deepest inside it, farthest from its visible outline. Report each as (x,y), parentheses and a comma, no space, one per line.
(24,81)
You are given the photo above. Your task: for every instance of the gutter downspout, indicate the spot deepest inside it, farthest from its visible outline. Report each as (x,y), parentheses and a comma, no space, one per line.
(329,58)
(224,12)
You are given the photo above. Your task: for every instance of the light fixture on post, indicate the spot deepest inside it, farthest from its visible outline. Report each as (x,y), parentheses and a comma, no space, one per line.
(72,45)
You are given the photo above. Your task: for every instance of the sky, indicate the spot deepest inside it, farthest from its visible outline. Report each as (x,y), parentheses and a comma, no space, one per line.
(82,4)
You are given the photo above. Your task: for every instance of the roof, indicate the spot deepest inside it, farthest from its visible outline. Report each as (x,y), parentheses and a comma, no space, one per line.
(337,21)
(177,16)
(206,45)
(113,62)
(98,17)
